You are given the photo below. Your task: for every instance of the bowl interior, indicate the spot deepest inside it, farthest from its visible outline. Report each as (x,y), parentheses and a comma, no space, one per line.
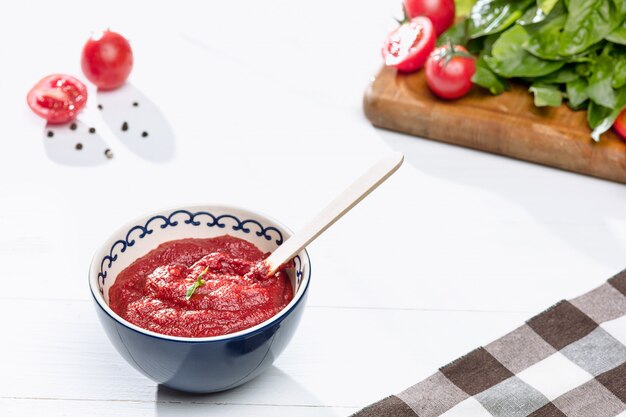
(142,235)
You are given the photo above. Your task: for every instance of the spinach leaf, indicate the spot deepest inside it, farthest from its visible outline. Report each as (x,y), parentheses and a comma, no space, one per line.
(546,95)
(596,114)
(583,69)
(600,88)
(619,71)
(544,42)
(585,56)
(546,6)
(534,16)
(568,49)
(531,16)
(493,16)
(620,10)
(482,46)
(601,119)
(588,22)
(456,33)
(618,35)
(484,77)
(576,91)
(564,75)
(509,59)
(478,45)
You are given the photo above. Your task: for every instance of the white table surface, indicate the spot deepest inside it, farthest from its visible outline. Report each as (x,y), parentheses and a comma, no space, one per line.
(261,102)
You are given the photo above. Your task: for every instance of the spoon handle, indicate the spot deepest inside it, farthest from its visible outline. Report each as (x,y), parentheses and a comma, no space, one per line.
(349,198)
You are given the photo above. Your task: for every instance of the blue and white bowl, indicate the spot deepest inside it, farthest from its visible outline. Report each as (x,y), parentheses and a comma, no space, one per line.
(205,364)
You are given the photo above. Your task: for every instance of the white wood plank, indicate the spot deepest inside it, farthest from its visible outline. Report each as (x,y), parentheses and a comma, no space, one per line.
(79,408)
(340,357)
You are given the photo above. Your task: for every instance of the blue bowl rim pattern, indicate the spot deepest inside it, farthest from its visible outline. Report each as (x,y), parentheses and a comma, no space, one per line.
(246,333)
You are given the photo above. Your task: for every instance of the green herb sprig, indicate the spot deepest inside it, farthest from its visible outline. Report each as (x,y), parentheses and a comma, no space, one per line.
(197,284)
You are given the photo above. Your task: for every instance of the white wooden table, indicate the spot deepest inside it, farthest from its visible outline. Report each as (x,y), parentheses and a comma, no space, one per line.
(264,99)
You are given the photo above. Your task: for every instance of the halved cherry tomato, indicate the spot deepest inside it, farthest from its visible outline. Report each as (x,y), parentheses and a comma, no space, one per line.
(620,124)
(58,98)
(449,71)
(440,12)
(407,48)
(107,59)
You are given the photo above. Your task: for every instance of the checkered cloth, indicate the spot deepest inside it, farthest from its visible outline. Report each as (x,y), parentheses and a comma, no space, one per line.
(569,361)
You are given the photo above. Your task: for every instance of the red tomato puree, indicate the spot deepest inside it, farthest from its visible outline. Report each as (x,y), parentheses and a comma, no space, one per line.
(151,292)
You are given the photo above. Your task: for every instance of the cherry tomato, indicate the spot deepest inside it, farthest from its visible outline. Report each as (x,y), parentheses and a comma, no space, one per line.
(57,98)
(440,12)
(620,124)
(449,72)
(107,59)
(407,48)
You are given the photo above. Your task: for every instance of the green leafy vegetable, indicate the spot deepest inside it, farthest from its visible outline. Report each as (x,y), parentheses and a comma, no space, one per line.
(494,16)
(600,88)
(544,42)
(596,114)
(541,12)
(197,284)
(457,34)
(620,10)
(546,6)
(531,16)
(576,91)
(619,71)
(566,50)
(601,119)
(564,75)
(509,58)
(546,95)
(488,79)
(588,22)
(482,46)
(618,35)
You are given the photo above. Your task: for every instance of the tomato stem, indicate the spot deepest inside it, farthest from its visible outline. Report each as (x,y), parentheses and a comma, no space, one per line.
(405,16)
(451,52)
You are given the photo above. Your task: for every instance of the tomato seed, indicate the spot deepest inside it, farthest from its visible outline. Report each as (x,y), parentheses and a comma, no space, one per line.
(108,154)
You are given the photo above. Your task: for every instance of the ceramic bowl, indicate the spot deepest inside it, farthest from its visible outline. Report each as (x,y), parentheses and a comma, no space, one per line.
(206,364)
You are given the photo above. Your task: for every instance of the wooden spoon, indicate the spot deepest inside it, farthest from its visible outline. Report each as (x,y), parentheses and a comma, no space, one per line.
(349,198)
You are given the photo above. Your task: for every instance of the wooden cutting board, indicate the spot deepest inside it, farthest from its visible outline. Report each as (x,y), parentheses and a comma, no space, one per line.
(508,124)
